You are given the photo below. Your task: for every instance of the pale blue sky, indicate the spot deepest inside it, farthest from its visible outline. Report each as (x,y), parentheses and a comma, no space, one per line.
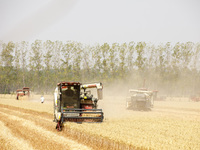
(99,21)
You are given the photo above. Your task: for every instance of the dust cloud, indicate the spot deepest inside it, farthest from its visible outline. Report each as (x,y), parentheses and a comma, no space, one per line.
(114,100)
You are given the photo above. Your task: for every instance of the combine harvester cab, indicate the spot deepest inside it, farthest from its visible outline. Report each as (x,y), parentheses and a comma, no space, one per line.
(72,103)
(140,99)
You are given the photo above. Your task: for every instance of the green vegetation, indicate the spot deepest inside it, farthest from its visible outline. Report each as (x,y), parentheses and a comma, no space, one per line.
(172,69)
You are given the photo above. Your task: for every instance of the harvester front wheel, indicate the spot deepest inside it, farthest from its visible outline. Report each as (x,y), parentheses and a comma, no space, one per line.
(59,126)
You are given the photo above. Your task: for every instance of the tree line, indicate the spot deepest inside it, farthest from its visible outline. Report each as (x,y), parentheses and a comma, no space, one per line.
(173,69)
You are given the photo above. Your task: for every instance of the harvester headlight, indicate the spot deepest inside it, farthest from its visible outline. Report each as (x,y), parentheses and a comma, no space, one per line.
(58,116)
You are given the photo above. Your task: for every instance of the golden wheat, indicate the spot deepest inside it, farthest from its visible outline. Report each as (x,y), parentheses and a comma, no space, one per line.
(171,125)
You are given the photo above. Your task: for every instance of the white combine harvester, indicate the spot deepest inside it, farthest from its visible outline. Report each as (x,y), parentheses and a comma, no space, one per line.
(140,99)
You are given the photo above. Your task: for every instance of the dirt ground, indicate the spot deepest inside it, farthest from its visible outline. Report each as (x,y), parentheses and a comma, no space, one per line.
(27,124)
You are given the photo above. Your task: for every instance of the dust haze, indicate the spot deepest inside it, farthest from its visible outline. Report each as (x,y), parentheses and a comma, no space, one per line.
(115,93)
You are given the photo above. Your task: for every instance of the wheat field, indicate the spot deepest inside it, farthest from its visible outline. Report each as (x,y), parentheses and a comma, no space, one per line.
(172,124)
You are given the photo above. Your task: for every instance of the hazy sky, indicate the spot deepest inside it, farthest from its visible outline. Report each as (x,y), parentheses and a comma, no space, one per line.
(99,21)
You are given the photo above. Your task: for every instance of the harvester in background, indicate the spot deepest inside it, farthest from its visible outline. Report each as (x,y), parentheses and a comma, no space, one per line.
(195,98)
(74,103)
(23,93)
(141,99)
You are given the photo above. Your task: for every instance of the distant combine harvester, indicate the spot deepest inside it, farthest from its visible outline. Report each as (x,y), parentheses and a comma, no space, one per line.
(23,93)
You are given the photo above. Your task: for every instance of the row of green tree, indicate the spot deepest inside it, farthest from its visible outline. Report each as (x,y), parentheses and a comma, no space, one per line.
(169,68)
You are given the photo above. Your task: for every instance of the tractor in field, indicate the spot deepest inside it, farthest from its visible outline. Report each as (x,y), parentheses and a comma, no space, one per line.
(141,99)
(74,103)
(22,93)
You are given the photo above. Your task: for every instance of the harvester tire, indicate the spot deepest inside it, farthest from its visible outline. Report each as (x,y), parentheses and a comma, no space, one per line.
(59,126)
